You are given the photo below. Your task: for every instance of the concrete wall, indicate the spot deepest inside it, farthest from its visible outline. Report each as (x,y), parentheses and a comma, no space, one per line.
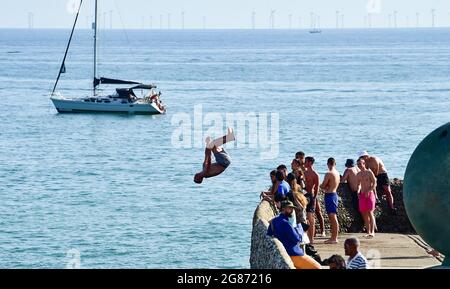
(267,252)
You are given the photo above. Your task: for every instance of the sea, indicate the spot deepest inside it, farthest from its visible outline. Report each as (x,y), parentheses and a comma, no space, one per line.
(117,191)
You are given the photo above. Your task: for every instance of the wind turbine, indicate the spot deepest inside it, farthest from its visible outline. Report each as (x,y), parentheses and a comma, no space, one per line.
(337,19)
(253,20)
(272,19)
(168,20)
(395,19)
(110,19)
(433,17)
(183,13)
(104,20)
(30,20)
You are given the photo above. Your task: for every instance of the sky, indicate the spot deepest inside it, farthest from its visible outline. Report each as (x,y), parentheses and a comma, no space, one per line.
(225,14)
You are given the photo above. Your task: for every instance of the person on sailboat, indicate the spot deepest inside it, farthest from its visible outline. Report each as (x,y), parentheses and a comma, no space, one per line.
(223,160)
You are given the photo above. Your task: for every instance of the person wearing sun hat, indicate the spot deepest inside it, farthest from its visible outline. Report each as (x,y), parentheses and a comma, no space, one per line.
(350,177)
(291,237)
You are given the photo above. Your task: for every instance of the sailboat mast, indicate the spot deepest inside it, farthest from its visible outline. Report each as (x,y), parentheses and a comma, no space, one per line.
(62,69)
(95,45)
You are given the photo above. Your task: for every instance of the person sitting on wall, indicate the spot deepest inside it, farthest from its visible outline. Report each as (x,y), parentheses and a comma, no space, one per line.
(281,228)
(283,187)
(269,195)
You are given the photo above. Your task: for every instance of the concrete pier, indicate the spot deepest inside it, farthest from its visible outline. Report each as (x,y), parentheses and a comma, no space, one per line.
(386,250)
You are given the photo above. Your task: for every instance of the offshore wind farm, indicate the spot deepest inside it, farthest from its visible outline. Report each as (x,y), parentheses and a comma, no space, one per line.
(354,14)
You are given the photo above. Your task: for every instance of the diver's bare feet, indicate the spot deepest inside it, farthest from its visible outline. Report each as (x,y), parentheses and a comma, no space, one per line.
(209,143)
(230,135)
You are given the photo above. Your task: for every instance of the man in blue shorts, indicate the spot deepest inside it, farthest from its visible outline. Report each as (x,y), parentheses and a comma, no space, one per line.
(330,185)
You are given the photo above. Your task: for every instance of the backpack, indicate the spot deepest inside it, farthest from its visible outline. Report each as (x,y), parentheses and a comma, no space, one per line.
(312,252)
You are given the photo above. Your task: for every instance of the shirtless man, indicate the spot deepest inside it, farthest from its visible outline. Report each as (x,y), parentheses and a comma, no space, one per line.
(368,183)
(223,160)
(269,195)
(376,165)
(300,156)
(284,170)
(312,181)
(350,177)
(297,170)
(330,185)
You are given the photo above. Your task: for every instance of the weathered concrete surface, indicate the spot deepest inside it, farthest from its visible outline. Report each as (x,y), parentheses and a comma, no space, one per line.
(393,251)
(267,252)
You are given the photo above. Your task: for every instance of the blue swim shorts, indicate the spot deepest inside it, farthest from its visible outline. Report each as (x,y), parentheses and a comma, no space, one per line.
(331,203)
(223,158)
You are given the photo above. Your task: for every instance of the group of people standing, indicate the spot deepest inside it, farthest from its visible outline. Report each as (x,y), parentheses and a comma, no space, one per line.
(365,179)
(295,194)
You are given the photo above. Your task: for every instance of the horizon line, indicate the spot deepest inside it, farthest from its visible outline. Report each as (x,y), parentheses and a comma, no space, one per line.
(230,28)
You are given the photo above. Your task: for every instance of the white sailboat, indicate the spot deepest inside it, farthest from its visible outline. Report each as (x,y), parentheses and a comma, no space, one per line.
(124,100)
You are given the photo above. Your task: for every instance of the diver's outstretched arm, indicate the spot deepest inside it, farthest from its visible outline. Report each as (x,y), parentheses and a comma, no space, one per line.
(207,161)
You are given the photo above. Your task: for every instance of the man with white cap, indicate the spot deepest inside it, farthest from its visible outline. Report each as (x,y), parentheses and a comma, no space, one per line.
(376,165)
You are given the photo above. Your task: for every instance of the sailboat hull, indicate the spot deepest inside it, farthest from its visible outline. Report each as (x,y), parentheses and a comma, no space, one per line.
(80,106)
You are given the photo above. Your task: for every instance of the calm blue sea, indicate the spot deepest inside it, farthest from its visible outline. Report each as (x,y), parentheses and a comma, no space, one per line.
(115,189)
